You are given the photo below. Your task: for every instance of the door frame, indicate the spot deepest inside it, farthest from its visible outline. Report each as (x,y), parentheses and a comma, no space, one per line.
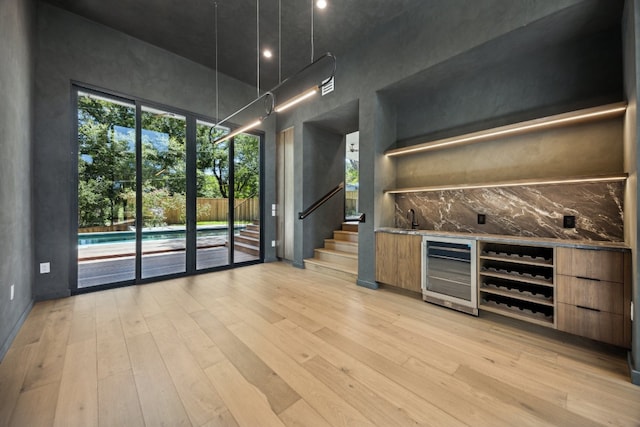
(190,191)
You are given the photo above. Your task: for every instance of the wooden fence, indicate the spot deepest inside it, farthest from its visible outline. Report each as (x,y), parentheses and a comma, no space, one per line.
(246,210)
(351,202)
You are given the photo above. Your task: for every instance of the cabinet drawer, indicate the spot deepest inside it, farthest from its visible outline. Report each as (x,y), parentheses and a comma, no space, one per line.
(592,264)
(596,294)
(597,325)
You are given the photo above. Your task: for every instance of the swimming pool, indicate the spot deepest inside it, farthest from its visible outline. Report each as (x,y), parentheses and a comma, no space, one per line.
(130,236)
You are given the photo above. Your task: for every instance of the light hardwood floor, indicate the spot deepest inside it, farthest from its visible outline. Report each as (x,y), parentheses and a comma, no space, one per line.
(271,345)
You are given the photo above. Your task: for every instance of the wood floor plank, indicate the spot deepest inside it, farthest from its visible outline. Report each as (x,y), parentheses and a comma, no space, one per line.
(300,414)
(181,297)
(106,307)
(440,393)
(146,302)
(340,322)
(369,403)
(447,358)
(83,325)
(158,322)
(311,349)
(12,372)
(160,294)
(113,355)
(78,396)
(286,312)
(203,349)
(257,307)
(294,348)
(49,358)
(180,319)
(131,318)
(546,412)
(279,394)
(159,400)
(200,399)
(31,330)
(590,395)
(43,398)
(119,405)
(419,409)
(235,390)
(320,397)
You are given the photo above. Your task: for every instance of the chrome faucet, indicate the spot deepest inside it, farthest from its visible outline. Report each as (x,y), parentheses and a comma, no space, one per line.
(414,224)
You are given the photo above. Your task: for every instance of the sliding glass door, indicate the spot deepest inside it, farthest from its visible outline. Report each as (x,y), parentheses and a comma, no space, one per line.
(106,190)
(246,162)
(148,205)
(164,193)
(212,203)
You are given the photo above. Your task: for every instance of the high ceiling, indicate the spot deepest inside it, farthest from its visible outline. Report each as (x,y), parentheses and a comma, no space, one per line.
(187,28)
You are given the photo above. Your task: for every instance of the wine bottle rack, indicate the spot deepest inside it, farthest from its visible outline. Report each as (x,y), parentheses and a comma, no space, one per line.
(517,281)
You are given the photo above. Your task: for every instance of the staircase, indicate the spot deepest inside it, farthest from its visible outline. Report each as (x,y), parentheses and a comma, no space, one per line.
(339,257)
(248,241)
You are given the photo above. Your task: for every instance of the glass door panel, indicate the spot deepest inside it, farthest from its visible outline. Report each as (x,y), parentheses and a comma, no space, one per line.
(163,193)
(247,236)
(212,197)
(352,176)
(106,190)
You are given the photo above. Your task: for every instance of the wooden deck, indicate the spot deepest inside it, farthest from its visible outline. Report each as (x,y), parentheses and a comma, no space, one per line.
(271,345)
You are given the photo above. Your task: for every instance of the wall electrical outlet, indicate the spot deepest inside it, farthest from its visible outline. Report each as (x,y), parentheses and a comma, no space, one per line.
(13,292)
(45,267)
(273,243)
(569,221)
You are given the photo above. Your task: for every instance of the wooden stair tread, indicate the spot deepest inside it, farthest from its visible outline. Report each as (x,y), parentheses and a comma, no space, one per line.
(351,226)
(338,253)
(342,242)
(342,235)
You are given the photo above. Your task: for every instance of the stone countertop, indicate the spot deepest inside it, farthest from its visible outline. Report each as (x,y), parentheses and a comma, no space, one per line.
(516,240)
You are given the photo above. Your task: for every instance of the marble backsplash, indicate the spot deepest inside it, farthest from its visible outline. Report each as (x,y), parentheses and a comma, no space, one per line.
(528,211)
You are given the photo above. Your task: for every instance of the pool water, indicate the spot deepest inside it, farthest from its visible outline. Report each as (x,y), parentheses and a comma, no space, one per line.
(130,236)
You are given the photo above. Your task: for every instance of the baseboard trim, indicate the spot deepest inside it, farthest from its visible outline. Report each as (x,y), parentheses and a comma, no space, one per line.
(635,374)
(367,284)
(298,264)
(14,331)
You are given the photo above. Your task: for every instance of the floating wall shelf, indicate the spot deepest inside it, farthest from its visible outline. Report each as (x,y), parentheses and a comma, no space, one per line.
(565,119)
(518,183)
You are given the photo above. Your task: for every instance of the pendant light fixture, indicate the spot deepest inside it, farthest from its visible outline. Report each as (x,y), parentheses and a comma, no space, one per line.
(269,97)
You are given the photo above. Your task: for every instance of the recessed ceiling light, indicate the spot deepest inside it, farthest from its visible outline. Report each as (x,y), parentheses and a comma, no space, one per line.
(267,53)
(321,4)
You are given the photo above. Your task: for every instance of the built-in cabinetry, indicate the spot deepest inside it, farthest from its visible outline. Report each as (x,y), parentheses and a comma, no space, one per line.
(398,260)
(593,294)
(517,281)
(586,292)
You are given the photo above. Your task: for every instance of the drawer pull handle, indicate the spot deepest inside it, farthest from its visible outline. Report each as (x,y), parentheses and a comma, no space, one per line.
(588,278)
(588,308)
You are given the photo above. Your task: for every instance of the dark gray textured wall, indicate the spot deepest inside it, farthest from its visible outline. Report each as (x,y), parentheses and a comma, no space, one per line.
(411,43)
(323,170)
(378,128)
(16,124)
(74,49)
(526,85)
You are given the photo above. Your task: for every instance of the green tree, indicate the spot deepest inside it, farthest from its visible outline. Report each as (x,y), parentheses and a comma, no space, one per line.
(163,151)
(106,160)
